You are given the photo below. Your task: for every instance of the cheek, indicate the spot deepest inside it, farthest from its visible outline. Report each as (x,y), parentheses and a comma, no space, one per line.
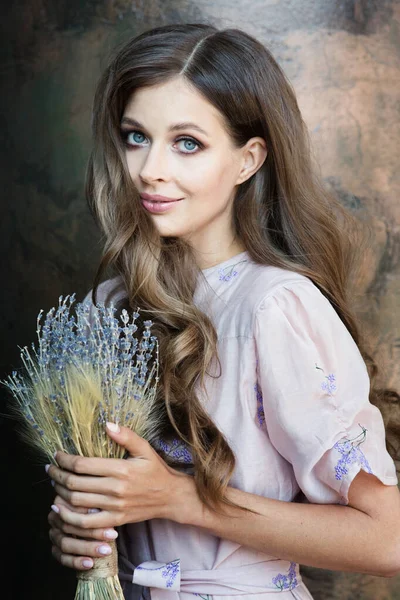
(214,174)
(204,175)
(133,165)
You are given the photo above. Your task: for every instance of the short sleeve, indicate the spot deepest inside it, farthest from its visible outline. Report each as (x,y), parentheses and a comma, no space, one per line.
(315,394)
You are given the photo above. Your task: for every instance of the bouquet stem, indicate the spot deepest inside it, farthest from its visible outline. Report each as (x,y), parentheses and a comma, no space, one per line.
(101,582)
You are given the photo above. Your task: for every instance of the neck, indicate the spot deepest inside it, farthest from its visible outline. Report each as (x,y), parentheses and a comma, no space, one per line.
(214,256)
(215,243)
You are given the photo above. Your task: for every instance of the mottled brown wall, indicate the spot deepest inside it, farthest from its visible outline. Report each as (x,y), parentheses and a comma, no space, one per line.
(343,60)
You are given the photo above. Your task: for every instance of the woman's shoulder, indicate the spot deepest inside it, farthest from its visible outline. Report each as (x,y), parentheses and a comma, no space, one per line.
(288,299)
(263,282)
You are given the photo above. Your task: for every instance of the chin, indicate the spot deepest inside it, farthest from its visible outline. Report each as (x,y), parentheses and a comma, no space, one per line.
(170,232)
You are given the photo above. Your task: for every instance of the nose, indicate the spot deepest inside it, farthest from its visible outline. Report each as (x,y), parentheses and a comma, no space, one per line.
(155,166)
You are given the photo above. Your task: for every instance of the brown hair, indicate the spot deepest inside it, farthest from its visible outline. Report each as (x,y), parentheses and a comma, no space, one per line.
(282,214)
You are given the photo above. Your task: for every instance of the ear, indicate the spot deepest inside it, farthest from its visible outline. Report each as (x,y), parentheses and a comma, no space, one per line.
(254,154)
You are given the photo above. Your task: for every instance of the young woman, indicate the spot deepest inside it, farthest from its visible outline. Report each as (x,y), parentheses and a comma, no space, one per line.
(273,453)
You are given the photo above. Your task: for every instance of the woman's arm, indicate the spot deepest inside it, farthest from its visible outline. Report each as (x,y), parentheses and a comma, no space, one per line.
(362,537)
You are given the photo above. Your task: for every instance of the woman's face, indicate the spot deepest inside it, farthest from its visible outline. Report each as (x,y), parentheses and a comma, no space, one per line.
(177,147)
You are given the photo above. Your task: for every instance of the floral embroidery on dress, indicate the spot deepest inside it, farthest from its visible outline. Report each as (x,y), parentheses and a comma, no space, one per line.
(228,272)
(351,453)
(176,448)
(260,406)
(286,582)
(330,384)
(169,571)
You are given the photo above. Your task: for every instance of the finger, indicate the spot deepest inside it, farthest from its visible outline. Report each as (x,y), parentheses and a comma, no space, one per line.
(79,563)
(85,500)
(56,522)
(104,519)
(137,446)
(77,546)
(82,483)
(106,467)
(54,519)
(97,534)
(59,500)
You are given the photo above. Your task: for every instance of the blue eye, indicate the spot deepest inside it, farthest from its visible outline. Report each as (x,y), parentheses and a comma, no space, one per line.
(137,137)
(189,145)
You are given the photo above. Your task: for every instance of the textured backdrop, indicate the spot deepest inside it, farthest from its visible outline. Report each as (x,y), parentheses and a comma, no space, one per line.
(343,60)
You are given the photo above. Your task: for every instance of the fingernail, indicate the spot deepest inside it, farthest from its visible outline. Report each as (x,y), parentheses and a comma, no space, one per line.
(104,550)
(113,427)
(87,563)
(52,483)
(47,467)
(92,511)
(110,534)
(55,508)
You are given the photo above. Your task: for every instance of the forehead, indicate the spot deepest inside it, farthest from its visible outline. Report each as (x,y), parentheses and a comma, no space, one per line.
(172,101)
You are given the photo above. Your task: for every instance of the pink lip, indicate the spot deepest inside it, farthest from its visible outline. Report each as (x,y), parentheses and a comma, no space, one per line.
(157,198)
(158,204)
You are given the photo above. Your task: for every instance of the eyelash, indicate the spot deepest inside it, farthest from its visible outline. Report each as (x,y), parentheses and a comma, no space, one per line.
(125,133)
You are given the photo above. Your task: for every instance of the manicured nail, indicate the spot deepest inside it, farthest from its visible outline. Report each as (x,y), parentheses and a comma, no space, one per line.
(113,427)
(87,563)
(47,467)
(92,511)
(104,550)
(52,482)
(110,534)
(55,508)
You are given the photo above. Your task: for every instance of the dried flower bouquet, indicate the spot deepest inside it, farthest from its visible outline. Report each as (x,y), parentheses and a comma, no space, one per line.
(83,373)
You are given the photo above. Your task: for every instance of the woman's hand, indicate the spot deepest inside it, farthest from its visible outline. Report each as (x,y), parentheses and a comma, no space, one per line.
(77,553)
(124,490)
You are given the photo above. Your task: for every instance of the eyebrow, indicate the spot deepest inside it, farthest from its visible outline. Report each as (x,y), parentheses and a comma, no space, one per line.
(176,127)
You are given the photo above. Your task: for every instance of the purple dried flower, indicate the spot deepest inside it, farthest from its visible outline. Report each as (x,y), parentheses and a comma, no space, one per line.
(104,348)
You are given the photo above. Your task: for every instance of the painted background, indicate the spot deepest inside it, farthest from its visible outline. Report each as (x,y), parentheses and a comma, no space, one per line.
(343,60)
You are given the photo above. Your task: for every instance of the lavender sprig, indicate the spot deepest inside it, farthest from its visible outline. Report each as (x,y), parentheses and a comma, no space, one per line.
(84,372)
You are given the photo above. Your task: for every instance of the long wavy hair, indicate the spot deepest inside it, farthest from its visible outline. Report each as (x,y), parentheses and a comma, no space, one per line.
(282,214)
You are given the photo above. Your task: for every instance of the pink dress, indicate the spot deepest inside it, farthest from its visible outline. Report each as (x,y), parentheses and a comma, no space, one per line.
(292,401)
